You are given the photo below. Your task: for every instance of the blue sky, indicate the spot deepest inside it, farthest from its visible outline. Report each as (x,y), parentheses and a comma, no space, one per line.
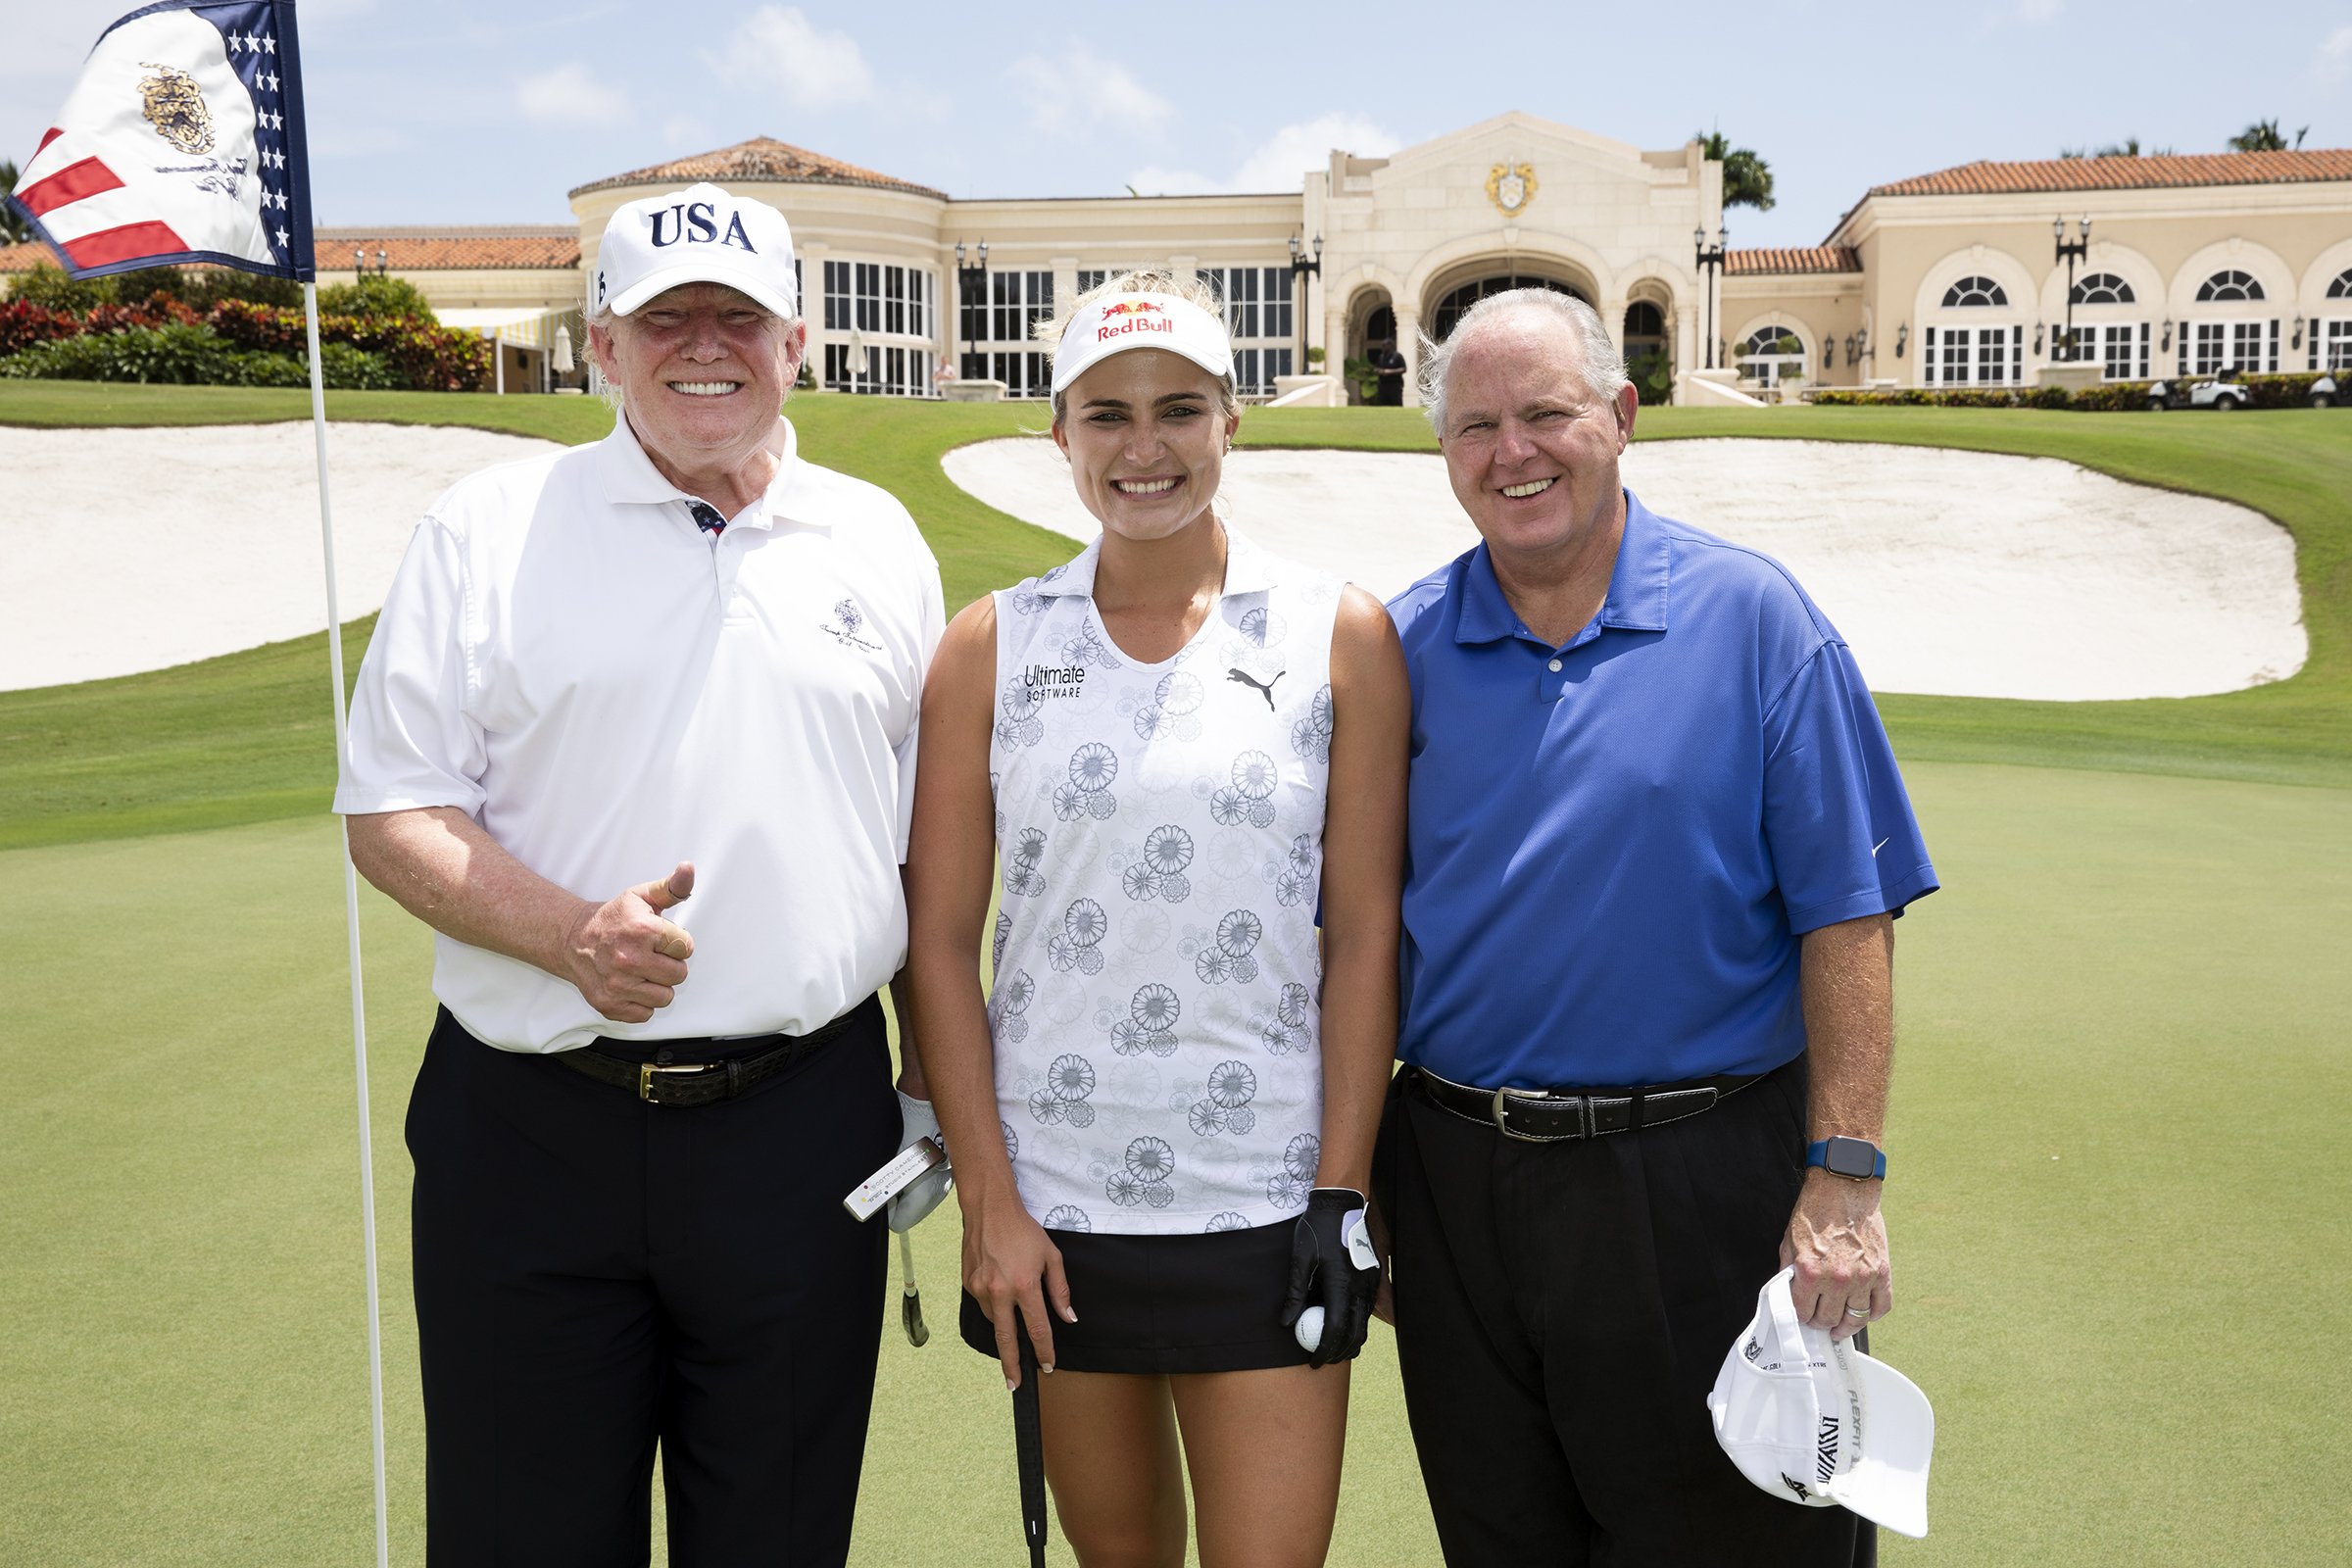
(432,111)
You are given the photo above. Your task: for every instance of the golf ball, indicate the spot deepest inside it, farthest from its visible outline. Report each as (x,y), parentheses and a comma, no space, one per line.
(1309,1328)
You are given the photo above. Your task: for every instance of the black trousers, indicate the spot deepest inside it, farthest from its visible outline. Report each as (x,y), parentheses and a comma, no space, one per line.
(1561,1312)
(596,1276)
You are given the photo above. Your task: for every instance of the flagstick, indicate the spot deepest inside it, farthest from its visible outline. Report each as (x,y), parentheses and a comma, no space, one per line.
(351,925)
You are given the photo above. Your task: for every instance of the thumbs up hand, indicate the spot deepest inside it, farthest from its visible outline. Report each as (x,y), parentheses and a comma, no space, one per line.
(627,959)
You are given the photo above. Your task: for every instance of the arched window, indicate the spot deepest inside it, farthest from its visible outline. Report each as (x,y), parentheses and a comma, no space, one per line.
(2341,288)
(1770,354)
(1974,291)
(2103,288)
(2226,287)
(1450,309)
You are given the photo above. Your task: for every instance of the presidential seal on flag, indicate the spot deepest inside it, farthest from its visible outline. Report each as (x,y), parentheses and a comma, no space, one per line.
(181,141)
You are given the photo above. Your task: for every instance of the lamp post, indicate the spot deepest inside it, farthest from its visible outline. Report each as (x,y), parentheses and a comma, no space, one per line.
(2070,252)
(1709,257)
(1303,267)
(972,292)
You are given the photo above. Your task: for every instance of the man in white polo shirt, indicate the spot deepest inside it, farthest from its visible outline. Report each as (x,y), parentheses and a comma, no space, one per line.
(636,737)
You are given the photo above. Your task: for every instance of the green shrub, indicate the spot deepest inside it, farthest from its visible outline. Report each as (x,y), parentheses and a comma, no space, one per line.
(2110,396)
(49,285)
(2280,391)
(1652,375)
(373,297)
(201,287)
(351,370)
(176,354)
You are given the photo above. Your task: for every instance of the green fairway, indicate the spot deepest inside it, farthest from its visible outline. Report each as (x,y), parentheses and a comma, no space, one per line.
(2118,1214)
(2120,1254)
(243,738)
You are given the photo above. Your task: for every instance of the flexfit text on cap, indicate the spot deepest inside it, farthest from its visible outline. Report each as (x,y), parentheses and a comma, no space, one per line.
(698,235)
(1117,322)
(1816,1422)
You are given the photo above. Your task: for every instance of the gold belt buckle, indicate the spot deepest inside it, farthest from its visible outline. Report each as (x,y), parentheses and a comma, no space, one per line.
(645,1077)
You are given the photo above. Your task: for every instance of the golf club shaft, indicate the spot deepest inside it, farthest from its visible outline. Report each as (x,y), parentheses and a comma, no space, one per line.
(1029,1450)
(910,1300)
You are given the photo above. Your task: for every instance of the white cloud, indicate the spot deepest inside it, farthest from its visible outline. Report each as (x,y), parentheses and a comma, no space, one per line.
(2335,56)
(778,48)
(2033,13)
(1076,93)
(1281,162)
(570,94)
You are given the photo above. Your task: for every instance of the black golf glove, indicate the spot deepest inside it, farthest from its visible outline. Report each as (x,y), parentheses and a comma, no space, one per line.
(1333,1266)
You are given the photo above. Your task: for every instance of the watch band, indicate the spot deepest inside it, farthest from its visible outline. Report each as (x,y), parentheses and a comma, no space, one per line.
(1856,1158)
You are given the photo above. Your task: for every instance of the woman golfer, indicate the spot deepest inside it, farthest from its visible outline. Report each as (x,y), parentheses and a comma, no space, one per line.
(1171,758)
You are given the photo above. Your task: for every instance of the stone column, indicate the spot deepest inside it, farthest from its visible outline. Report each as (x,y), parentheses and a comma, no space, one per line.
(1408,344)
(1686,343)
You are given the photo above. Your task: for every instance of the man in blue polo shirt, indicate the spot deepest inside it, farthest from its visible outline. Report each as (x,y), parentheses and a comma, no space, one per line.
(1656,840)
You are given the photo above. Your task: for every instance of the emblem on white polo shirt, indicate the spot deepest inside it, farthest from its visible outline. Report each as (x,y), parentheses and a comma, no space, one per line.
(1511,186)
(842,628)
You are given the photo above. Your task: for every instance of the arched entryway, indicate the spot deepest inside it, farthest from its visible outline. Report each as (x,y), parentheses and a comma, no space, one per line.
(1372,349)
(1454,301)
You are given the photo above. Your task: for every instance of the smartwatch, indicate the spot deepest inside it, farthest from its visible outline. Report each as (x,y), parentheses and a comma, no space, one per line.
(1856,1158)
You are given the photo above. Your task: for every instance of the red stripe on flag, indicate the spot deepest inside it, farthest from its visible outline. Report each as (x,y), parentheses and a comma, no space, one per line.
(128,243)
(47,138)
(68,184)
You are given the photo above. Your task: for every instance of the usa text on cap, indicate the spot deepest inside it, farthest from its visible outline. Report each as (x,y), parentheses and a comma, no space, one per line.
(698,235)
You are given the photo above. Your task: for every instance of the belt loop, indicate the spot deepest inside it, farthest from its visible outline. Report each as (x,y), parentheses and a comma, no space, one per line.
(734,1077)
(1587,1117)
(1634,1111)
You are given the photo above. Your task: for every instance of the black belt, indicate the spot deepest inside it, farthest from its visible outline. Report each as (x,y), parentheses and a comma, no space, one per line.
(754,1060)
(1551,1116)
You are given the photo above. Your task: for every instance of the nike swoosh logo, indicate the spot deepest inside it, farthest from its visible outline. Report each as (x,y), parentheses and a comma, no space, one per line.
(1882,844)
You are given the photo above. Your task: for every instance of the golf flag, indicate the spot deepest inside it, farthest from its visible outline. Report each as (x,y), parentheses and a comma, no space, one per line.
(181,141)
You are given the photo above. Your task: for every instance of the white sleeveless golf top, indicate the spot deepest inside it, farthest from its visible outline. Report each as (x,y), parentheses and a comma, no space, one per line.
(1156,1004)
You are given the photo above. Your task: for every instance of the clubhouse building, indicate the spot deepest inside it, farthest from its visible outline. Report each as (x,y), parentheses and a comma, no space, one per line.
(2178,264)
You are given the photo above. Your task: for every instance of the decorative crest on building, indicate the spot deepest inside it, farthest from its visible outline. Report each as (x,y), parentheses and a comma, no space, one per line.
(1510,187)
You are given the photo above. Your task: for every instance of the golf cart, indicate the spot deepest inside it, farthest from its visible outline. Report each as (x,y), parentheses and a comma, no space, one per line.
(2324,393)
(2223,391)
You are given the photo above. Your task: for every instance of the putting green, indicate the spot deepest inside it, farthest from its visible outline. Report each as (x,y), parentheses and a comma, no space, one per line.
(2117,1207)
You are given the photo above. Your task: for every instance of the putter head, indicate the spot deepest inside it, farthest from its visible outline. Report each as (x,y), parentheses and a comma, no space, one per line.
(910,1315)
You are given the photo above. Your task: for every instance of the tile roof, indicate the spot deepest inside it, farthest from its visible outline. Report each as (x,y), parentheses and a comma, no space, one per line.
(1775,260)
(405,250)
(2127,173)
(760,158)
(436,250)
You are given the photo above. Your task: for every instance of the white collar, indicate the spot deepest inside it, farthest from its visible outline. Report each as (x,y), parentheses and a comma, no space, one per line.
(629,478)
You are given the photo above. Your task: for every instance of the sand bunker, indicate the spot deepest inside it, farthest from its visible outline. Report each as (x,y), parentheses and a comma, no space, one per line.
(130,550)
(1957,572)
(1965,573)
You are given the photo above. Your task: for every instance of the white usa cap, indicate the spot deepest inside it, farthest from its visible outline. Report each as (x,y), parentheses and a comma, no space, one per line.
(697,235)
(1818,1422)
(1117,322)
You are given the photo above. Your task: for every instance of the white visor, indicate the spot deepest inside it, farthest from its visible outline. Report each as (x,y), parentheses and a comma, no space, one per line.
(1117,322)
(1820,1423)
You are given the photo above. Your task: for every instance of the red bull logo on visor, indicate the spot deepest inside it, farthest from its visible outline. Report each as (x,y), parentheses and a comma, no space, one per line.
(1133,316)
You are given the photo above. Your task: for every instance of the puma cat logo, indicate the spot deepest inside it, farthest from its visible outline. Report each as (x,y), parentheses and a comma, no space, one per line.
(1263,689)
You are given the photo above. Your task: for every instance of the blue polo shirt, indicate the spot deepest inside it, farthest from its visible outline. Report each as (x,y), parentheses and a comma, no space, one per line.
(1614,845)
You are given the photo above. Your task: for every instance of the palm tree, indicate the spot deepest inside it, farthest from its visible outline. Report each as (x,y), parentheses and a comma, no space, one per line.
(1746,177)
(2263,136)
(14,230)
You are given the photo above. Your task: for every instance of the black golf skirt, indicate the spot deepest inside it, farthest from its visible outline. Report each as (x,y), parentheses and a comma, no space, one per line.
(1155,1305)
